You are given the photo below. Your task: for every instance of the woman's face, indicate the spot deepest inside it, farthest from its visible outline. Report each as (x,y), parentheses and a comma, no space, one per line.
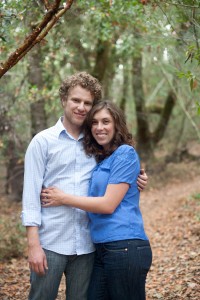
(103,128)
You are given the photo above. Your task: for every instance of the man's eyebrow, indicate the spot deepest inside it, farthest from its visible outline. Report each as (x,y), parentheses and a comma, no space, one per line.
(75,98)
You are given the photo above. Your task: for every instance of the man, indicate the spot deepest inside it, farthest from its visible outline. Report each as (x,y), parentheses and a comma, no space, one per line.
(58,237)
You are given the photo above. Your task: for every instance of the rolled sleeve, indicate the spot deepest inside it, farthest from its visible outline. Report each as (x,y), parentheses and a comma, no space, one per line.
(31,218)
(34,170)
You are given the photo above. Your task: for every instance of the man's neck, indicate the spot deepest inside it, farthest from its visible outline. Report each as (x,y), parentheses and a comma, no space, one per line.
(73,130)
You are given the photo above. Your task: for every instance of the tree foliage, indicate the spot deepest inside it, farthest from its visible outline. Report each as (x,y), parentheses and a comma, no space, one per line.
(108,39)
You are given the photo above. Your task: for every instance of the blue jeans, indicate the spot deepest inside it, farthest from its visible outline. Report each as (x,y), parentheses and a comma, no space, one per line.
(120,270)
(77,270)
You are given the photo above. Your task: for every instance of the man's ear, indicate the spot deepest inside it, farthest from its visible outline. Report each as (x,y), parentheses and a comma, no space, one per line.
(63,102)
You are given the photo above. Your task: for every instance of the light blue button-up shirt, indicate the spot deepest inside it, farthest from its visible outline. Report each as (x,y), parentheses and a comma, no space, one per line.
(55,158)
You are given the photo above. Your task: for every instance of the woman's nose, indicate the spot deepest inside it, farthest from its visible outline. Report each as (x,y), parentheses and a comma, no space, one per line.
(99,126)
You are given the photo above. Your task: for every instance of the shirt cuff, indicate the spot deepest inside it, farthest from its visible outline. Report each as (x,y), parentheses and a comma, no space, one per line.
(31,218)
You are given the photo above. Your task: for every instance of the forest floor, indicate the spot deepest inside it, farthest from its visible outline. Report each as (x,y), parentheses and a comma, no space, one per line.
(171,211)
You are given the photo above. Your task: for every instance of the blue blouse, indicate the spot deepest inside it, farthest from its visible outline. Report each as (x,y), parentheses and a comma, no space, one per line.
(126,221)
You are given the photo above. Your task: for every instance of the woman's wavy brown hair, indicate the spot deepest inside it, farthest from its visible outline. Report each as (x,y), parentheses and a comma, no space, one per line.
(121,136)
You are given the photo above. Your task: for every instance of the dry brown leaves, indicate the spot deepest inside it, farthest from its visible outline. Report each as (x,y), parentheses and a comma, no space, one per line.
(171,218)
(175,239)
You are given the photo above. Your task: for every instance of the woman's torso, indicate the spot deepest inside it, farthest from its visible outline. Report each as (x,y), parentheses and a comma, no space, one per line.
(126,222)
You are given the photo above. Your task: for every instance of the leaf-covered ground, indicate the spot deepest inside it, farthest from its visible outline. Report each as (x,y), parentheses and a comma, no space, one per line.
(171,210)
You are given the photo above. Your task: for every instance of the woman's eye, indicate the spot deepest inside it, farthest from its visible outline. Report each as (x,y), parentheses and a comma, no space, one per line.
(88,104)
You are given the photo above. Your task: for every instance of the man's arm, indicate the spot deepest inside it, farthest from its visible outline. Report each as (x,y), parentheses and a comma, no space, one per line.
(31,212)
(36,256)
(142,180)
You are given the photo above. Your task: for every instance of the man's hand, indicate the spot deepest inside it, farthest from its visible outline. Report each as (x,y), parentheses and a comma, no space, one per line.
(36,255)
(142,180)
(37,259)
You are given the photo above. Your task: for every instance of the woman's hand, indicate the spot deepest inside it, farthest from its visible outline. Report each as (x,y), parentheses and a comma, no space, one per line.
(52,196)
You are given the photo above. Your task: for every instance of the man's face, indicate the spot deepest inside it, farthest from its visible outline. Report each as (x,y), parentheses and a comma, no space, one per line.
(76,106)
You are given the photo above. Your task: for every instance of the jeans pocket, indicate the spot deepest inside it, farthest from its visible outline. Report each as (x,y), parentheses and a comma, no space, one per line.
(145,257)
(115,247)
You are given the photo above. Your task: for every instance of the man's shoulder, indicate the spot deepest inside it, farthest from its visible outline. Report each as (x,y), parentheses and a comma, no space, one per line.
(45,132)
(43,137)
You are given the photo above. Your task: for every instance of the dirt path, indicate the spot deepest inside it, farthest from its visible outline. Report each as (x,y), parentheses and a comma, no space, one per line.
(172,218)
(171,215)
(158,203)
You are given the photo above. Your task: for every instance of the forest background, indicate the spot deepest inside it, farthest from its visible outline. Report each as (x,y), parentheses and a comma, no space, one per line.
(145,53)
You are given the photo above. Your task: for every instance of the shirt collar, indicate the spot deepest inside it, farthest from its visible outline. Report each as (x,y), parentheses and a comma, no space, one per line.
(61,129)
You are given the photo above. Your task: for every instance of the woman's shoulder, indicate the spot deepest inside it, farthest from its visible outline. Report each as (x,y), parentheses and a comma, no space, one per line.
(125,149)
(125,152)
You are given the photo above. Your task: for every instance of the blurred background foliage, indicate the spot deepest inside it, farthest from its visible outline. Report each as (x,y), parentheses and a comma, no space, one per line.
(145,53)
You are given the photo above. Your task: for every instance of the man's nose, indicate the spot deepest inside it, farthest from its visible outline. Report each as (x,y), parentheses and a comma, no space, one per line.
(81,106)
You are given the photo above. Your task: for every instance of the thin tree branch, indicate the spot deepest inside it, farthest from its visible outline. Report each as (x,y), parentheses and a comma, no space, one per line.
(50,18)
(181,104)
(152,97)
(183,5)
(194,28)
(46,4)
(164,13)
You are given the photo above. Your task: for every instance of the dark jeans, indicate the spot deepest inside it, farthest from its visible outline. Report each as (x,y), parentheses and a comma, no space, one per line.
(120,270)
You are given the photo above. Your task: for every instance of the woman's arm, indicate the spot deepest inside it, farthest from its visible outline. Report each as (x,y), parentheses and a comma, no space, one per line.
(104,205)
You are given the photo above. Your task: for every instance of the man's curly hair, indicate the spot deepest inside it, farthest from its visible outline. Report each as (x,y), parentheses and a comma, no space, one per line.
(84,80)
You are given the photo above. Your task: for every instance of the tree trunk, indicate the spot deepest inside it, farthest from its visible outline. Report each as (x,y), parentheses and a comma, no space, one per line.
(11,149)
(125,89)
(14,165)
(102,57)
(164,118)
(38,115)
(144,142)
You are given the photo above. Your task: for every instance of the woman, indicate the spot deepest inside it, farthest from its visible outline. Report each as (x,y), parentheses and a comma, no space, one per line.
(123,256)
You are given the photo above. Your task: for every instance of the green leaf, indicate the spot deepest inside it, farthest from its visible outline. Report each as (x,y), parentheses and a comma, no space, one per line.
(191,84)
(3,39)
(196,196)
(198,107)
